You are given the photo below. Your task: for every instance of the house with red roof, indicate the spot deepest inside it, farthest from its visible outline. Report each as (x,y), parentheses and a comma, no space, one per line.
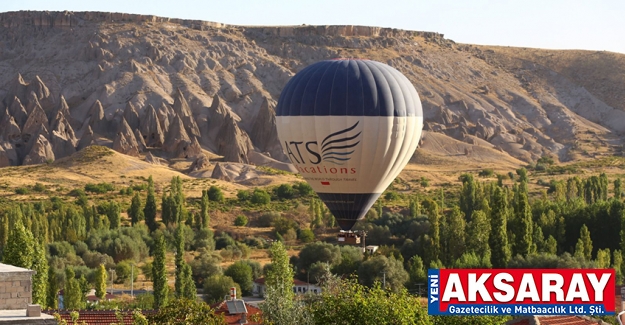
(556,320)
(299,287)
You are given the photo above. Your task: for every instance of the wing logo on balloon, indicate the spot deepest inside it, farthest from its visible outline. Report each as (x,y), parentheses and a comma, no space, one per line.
(338,147)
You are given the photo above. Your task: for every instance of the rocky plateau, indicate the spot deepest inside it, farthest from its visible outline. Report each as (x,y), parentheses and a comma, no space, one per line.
(165,89)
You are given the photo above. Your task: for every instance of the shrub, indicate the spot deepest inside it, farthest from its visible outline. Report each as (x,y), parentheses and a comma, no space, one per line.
(77,192)
(285,191)
(243,195)
(267,219)
(215,194)
(424,182)
(306,235)
(260,197)
(124,271)
(486,172)
(303,188)
(240,221)
(391,196)
(22,191)
(99,188)
(39,187)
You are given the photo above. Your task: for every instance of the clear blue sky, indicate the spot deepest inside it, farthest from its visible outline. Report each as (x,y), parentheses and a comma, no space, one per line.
(553,24)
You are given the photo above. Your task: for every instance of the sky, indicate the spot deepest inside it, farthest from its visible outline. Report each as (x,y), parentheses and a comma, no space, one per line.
(551,24)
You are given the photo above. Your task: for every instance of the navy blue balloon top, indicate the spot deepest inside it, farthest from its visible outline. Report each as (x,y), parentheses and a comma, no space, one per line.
(348,87)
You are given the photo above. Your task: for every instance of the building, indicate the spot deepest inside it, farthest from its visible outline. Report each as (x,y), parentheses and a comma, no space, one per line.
(299,287)
(555,320)
(16,307)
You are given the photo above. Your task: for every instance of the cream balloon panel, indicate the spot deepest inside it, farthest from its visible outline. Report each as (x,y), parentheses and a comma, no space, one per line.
(349,154)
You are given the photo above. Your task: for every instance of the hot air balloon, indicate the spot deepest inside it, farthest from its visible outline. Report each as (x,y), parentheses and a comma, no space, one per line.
(349,126)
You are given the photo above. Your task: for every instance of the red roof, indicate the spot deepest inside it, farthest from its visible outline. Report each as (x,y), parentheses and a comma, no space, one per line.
(222,309)
(555,320)
(261,281)
(96,317)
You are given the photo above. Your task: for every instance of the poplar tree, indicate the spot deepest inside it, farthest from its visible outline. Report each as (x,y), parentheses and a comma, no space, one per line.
(500,252)
(179,239)
(431,209)
(618,188)
(72,293)
(19,250)
(617,264)
(135,212)
(478,232)
(584,236)
(524,231)
(113,214)
(149,210)
(468,196)
(204,216)
(100,282)
(455,235)
(40,278)
(52,299)
(159,273)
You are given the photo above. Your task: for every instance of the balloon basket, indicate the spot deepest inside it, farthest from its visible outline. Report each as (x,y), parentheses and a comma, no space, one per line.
(348,238)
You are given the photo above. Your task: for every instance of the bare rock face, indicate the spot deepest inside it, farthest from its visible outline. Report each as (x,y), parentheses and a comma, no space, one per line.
(125,141)
(40,152)
(62,144)
(178,144)
(140,142)
(97,120)
(201,162)
(18,88)
(31,102)
(36,119)
(17,110)
(87,139)
(8,155)
(42,93)
(163,117)
(150,158)
(151,128)
(264,134)
(182,109)
(232,143)
(220,173)
(131,116)
(9,130)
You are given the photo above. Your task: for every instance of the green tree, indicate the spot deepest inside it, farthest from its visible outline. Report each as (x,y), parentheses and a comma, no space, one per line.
(52,299)
(347,302)
(468,196)
(500,252)
(189,291)
(523,212)
(40,278)
(215,194)
(19,250)
(617,265)
(135,211)
(217,286)
(240,220)
(416,273)
(72,293)
(434,245)
(618,188)
(478,232)
(113,214)
(204,216)
(241,273)
(603,258)
(149,210)
(159,273)
(280,307)
(455,235)
(388,271)
(584,235)
(100,282)
(189,310)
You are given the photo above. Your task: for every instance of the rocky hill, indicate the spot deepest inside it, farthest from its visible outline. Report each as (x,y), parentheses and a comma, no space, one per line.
(203,91)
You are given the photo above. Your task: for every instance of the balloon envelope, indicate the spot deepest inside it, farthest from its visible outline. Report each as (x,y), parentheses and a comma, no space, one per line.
(349,127)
